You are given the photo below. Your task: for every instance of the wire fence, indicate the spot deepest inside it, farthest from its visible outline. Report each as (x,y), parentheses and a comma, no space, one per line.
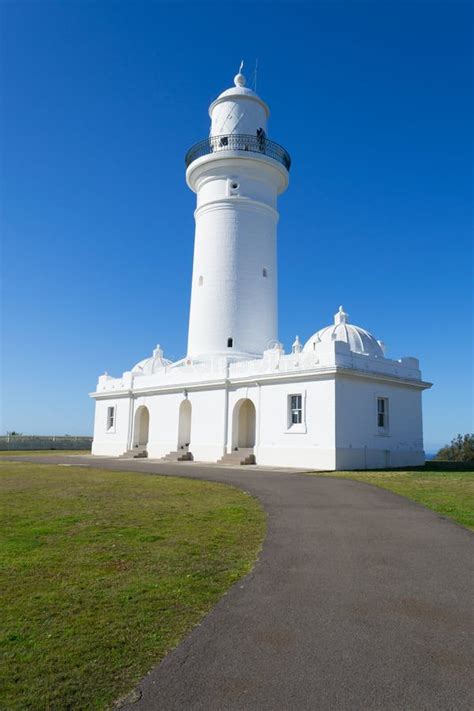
(12,442)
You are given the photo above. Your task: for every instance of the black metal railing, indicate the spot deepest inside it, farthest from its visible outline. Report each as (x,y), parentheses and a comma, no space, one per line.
(238,142)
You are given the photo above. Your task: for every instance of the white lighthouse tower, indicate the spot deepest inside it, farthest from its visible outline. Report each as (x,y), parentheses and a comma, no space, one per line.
(237,175)
(336,402)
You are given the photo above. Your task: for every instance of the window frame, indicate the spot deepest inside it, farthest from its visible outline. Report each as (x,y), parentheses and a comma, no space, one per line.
(111,418)
(295,411)
(383,412)
(299,426)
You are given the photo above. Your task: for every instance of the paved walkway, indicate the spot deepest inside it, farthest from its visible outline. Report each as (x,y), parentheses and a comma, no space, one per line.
(360,600)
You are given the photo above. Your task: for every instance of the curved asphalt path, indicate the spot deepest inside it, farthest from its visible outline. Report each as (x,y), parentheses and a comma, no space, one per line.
(360,599)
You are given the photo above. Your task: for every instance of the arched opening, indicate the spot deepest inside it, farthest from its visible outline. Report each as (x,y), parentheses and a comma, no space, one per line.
(142,426)
(184,425)
(244,424)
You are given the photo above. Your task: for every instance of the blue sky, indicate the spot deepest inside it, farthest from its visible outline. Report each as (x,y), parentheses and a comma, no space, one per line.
(100,102)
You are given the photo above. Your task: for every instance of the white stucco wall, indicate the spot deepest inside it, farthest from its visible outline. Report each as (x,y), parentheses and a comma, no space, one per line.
(359,442)
(309,445)
(111,442)
(208,424)
(163,431)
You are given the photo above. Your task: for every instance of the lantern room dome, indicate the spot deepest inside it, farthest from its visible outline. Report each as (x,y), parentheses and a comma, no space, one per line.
(239,90)
(239,111)
(358,339)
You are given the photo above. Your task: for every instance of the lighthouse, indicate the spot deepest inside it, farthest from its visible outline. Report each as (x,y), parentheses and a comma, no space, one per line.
(237,174)
(334,401)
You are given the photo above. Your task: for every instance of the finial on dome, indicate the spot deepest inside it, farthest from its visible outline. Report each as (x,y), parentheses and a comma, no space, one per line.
(158,352)
(297,347)
(239,79)
(341,316)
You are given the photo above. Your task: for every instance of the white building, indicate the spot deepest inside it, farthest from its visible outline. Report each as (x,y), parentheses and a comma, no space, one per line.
(336,403)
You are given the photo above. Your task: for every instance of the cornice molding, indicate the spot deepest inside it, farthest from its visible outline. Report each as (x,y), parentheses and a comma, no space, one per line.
(262,379)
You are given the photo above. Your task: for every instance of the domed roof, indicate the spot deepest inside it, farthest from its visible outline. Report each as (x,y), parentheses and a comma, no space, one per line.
(358,339)
(239,90)
(151,365)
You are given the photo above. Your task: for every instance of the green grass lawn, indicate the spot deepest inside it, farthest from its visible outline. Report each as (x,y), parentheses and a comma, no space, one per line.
(105,572)
(44,452)
(449,493)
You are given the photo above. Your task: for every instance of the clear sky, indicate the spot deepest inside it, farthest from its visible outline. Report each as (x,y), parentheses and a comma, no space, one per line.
(100,102)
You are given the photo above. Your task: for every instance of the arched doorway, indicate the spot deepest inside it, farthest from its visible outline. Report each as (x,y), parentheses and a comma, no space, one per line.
(244,423)
(142,426)
(184,425)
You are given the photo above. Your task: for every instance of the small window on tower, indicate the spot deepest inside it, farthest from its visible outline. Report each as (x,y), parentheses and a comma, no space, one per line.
(201,281)
(230,342)
(264,272)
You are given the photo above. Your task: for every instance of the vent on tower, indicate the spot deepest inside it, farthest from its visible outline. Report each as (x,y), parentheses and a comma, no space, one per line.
(230,342)
(233,187)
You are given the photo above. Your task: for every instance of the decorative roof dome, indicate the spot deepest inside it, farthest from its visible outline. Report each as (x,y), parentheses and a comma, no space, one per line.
(148,366)
(358,339)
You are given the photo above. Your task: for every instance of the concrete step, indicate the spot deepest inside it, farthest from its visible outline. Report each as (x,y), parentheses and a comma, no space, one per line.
(241,456)
(181,455)
(135,453)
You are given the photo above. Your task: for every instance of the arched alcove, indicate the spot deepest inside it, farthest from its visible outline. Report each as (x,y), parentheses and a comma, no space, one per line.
(244,424)
(184,425)
(142,427)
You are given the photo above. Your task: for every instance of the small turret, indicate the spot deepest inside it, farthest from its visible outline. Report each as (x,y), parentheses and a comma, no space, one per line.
(296,347)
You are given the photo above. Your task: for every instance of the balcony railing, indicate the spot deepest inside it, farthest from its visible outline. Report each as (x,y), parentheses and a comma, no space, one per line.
(238,142)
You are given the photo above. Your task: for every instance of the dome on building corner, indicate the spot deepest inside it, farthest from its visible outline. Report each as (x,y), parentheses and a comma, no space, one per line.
(151,365)
(358,339)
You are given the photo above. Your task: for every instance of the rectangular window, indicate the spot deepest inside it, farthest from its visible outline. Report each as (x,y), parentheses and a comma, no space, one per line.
(110,418)
(382,413)
(295,403)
